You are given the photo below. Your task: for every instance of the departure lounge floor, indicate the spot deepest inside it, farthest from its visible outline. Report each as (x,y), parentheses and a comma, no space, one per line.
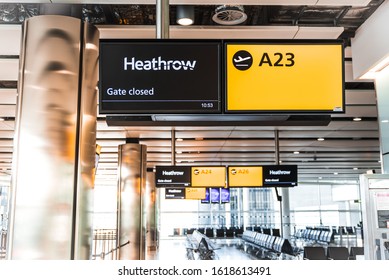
(174,248)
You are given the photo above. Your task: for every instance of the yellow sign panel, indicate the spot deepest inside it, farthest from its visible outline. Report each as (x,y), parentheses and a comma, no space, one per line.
(285,77)
(245,176)
(195,193)
(208,176)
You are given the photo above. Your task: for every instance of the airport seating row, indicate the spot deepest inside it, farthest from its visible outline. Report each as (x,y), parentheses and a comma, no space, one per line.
(316,235)
(268,245)
(199,243)
(331,253)
(217,232)
(265,230)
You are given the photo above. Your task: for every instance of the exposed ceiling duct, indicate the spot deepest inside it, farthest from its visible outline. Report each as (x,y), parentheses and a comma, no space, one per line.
(229,15)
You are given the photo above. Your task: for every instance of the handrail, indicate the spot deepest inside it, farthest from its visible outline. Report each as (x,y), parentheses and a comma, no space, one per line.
(114,249)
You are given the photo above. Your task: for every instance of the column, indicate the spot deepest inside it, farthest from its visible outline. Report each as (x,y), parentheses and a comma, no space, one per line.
(151,211)
(131,223)
(55,140)
(382,91)
(370,61)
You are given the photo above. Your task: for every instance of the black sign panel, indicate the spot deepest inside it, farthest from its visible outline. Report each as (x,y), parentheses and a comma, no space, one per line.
(160,76)
(280,176)
(173,176)
(175,193)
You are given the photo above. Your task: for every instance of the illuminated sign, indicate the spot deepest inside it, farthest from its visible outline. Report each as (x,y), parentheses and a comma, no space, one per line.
(195,193)
(157,76)
(224,195)
(280,176)
(208,176)
(285,77)
(214,193)
(206,199)
(245,176)
(175,193)
(172,176)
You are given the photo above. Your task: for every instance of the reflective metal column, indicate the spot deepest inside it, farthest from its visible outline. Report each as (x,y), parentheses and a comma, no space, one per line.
(151,211)
(131,202)
(55,138)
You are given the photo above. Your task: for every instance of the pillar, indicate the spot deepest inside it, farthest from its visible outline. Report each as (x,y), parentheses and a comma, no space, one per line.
(55,140)
(131,223)
(370,55)
(162,18)
(382,90)
(151,213)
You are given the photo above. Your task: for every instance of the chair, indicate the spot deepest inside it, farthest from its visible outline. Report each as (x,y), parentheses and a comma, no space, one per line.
(337,253)
(354,251)
(314,253)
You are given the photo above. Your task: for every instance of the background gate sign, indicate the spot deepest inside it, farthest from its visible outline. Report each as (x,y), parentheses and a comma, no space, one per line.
(294,77)
(172,176)
(156,76)
(280,176)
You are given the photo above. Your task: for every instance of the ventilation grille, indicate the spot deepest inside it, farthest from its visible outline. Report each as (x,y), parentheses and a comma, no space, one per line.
(229,15)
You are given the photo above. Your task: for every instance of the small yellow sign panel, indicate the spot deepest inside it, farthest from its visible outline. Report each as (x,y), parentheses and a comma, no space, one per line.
(195,193)
(245,176)
(285,77)
(208,176)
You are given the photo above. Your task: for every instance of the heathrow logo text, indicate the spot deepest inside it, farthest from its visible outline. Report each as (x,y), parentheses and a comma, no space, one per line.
(158,64)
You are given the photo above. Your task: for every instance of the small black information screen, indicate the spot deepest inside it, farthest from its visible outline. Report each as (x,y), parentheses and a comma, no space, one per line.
(175,193)
(280,176)
(160,76)
(172,176)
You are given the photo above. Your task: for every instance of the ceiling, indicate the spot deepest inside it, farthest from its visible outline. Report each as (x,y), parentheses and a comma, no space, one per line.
(349,147)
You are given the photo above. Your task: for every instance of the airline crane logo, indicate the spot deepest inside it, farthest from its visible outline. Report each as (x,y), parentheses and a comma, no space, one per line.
(242,60)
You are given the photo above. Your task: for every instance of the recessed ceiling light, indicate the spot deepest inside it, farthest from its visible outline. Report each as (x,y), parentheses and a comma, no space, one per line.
(180,139)
(179,152)
(296,152)
(320,178)
(355,168)
(320,139)
(2,119)
(385,121)
(357,119)
(336,173)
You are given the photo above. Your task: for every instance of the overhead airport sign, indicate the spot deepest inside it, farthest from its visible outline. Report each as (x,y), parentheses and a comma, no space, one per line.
(284,77)
(173,176)
(280,176)
(262,176)
(195,193)
(220,176)
(160,76)
(208,176)
(245,176)
(175,193)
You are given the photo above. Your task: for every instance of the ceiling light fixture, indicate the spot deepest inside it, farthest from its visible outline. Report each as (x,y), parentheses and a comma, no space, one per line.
(357,119)
(385,121)
(296,152)
(185,15)
(320,139)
